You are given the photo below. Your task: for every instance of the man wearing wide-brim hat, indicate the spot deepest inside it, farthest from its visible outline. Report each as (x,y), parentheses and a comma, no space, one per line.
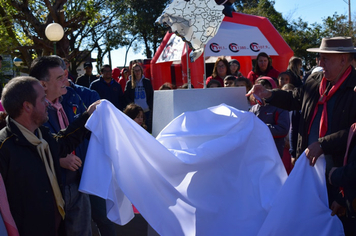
(327,103)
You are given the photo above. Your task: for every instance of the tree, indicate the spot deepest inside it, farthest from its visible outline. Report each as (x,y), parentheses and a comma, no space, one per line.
(266,9)
(298,34)
(137,24)
(303,36)
(24,22)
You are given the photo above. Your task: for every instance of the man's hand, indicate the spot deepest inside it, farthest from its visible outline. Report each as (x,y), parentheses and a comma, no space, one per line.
(293,159)
(70,162)
(337,209)
(92,107)
(313,152)
(259,91)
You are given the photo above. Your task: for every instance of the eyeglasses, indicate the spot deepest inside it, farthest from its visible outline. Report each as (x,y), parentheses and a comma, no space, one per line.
(137,70)
(106,71)
(221,66)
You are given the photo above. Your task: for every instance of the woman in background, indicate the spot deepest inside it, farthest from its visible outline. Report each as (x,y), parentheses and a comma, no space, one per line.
(221,69)
(263,66)
(294,69)
(139,90)
(136,113)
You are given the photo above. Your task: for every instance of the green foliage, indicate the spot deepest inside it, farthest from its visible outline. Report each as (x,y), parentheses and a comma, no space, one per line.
(137,24)
(266,8)
(299,35)
(24,22)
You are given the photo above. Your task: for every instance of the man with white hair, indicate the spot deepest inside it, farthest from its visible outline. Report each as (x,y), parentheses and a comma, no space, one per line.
(51,74)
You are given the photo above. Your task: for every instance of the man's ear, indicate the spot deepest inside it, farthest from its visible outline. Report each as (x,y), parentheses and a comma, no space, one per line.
(44,84)
(27,107)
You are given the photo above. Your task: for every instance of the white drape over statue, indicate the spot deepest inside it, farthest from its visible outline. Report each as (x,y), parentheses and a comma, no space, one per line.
(211,172)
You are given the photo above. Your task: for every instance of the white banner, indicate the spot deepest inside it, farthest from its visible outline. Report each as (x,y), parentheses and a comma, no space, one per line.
(173,50)
(238,40)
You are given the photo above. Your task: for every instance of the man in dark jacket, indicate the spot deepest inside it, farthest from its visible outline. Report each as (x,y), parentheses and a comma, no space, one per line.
(328,94)
(29,157)
(86,79)
(326,101)
(108,88)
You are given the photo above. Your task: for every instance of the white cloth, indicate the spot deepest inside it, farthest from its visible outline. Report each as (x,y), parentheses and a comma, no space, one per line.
(217,172)
(302,205)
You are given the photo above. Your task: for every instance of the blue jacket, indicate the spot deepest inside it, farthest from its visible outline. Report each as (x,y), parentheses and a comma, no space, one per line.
(110,91)
(73,107)
(87,95)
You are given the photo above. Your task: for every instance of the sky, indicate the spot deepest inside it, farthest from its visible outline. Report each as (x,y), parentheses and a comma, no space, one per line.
(311,11)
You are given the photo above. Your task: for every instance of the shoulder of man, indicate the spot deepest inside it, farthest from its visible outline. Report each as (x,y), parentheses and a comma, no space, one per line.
(5,136)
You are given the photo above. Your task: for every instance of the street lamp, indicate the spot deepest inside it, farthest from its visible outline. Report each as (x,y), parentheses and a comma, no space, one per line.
(17,62)
(54,32)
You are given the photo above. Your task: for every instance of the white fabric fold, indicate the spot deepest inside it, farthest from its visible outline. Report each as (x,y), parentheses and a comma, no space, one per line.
(210,172)
(301,207)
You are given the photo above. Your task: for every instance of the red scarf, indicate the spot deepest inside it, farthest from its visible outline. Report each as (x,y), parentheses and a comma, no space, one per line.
(323,101)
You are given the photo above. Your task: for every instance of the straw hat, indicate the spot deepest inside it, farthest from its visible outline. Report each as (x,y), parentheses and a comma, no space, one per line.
(335,45)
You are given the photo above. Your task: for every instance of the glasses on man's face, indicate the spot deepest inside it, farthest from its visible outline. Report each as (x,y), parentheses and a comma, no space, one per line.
(221,66)
(106,71)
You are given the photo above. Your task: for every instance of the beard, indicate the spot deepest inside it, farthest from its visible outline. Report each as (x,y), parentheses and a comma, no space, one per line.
(39,118)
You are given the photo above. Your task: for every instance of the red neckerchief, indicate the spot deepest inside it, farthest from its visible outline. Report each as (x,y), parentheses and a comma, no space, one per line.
(352,133)
(323,101)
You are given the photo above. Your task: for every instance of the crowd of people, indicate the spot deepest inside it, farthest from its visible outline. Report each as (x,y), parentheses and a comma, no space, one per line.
(44,141)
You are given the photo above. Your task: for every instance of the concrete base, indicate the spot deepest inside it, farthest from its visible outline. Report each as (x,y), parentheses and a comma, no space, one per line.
(168,104)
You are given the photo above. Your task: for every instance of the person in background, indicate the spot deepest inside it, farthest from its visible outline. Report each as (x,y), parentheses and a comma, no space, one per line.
(243,82)
(213,84)
(136,113)
(124,78)
(116,73)
(139,90)
(70,76)
(316,68)
(166,86)
(229,81)
(263,67)
(275,118)
(283,78)
(88,77)
(235,68)
(108,88)
(185,86)
(294,69)
(221,69)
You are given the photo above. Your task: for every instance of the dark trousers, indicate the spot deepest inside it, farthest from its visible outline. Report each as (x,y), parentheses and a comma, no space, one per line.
(98,214)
